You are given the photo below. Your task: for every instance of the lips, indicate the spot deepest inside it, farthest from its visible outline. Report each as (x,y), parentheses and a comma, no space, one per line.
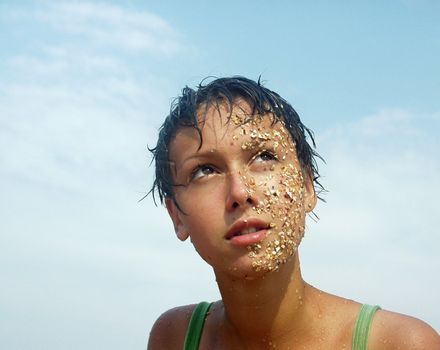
(247,231)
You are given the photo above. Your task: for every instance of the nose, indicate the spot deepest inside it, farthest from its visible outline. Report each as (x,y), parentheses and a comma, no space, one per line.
(240,194)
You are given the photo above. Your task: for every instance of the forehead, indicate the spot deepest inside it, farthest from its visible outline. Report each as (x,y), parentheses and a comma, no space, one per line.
(223,122)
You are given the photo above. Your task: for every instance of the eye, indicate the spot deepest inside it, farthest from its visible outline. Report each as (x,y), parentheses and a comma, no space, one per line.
(202,171)
(265,156)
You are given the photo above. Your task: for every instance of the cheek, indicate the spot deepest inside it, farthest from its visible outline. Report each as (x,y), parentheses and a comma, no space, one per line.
(201,206)
(279,191)
(197,194)
(292,202)
(283,200)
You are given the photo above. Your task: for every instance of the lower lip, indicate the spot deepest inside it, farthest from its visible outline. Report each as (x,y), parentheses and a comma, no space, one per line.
(248,239)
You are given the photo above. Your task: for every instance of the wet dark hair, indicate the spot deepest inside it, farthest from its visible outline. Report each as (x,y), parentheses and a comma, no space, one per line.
(262,101)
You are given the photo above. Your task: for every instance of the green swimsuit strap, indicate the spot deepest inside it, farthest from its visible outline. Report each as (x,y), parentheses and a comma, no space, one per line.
(195,328)
(362,327)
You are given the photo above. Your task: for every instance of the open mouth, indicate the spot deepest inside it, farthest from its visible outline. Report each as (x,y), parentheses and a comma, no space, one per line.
(244,229)
(247,231)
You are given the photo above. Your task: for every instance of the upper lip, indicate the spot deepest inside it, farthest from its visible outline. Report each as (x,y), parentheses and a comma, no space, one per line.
(243,224)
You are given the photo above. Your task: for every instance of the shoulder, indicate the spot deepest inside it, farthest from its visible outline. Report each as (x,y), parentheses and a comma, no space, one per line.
(169,330)
(392,330)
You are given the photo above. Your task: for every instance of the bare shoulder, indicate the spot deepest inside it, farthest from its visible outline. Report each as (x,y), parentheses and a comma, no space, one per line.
(392,330)
(169,330)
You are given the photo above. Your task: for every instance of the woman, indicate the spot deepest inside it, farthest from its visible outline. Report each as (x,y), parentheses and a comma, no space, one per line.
(238,177)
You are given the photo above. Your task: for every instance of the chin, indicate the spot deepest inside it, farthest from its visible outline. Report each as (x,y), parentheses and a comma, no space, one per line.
(246,271)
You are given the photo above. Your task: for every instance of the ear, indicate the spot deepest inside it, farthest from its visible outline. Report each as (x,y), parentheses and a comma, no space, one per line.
(174,213)
(310,197)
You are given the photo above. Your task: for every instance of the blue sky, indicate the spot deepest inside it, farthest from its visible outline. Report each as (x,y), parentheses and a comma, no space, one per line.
(84,87)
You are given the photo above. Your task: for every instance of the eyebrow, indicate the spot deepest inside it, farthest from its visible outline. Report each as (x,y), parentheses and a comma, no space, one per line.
(202,154)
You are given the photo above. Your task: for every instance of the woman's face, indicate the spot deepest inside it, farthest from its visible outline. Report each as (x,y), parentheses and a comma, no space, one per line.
(243,193)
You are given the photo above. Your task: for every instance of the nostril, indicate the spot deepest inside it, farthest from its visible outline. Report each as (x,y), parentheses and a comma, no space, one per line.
(248,201)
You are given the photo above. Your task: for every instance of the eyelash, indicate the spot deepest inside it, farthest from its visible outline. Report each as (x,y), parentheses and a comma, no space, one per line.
(200,167)
(266,153)
(269,153)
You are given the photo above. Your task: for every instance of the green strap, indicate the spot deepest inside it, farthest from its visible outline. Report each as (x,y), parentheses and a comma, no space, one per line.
(362,327)
(360,335)
(195,328)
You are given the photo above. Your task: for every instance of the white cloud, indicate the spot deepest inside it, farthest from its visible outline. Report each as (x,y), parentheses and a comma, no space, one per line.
(75,122)
(107,25)
(376,239)
(385,122)
(384,167)
(73,111)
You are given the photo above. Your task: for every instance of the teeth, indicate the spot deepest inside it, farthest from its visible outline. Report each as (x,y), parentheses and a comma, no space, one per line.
(248,230)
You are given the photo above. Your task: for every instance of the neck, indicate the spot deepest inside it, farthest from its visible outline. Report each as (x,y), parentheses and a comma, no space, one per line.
(265,308)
